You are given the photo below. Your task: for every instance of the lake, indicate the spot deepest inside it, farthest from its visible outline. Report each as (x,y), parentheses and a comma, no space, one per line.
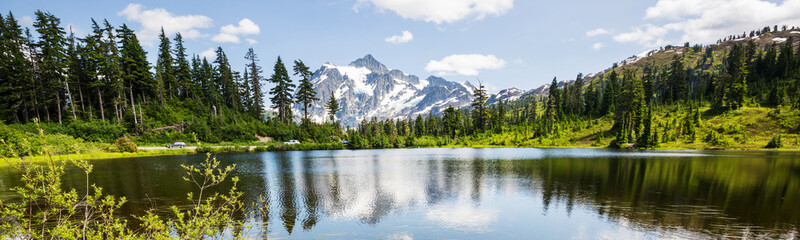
(489,193)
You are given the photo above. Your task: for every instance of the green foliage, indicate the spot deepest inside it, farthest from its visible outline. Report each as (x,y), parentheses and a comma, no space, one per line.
(776,142)
(47,209)
(124,144)
(282,91)
(716,139)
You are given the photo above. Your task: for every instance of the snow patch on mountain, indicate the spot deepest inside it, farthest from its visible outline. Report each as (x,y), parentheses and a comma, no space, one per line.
(366,88)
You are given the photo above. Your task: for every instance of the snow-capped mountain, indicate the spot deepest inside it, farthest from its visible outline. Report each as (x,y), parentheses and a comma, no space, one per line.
(366,88)
(508,94)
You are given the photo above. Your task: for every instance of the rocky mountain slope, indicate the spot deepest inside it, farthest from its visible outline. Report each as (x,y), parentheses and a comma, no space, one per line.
(366,88)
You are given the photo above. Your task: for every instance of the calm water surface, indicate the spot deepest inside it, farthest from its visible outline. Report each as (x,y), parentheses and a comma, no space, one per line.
(496,193)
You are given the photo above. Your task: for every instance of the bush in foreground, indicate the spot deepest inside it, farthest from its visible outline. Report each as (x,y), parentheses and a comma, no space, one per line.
(45,210)
(124,144)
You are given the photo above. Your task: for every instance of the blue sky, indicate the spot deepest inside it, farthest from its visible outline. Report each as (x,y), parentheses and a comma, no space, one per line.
(505,43)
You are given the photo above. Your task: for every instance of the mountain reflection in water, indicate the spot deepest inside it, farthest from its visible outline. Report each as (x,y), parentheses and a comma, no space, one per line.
(495,193)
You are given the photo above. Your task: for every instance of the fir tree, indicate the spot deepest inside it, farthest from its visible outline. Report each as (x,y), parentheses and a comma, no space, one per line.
(451,121)
(51,61)
(333,107)
(480,111)
(181,68)
(112,70)
(419,125)
(282,92)
(15,89)
(305,92)
(553,108)
(676,80)
(610,92)
(136,70)
(736,77)
(164,65)
(255,78)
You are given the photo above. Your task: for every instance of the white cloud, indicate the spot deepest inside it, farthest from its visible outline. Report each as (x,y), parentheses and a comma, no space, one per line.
(26,21)
(463,217)
(154,19)
(650,36)
(209,53)
(398,39)
(439,11)
(675,9)
(597,46)
(706,21)
(251,41)
(597,32)
(230,33)
(464,64)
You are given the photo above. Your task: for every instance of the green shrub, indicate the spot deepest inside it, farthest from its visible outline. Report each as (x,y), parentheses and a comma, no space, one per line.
(717,139)
(203,149)
(124,144)
(776,142)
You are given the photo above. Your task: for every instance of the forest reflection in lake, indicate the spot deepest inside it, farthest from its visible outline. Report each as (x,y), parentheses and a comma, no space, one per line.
(493,193)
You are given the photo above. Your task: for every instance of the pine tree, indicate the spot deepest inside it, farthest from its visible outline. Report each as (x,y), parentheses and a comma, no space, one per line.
(631,106)
(610,92)
(553,111)
(52,61)
(646,138)
(223,78)
(181,68)
(480,111)
(93,62)
(499,119)
(164,66)
(532,112)
(648,85)
(577,103)
(451,121)
(14,72)
(136,70)
(676,80)
(736,75)
(282,92)
(305,92)
(254,75)
(419,125)
(73,72)
(333,107)
(112,69)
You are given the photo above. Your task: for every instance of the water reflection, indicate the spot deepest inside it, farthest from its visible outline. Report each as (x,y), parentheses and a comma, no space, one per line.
(487,193)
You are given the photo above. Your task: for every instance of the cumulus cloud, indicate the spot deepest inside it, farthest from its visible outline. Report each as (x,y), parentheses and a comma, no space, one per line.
(463,217)
(464,64)
(154,19)
(597,32)
(439,11)
(706,21)
(230,33)
(209,54)
(597,46)
(648,36)
(405,37)
(251,41)
(26,21)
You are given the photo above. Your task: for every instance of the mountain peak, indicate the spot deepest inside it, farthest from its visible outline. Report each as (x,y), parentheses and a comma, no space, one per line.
(370,63)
